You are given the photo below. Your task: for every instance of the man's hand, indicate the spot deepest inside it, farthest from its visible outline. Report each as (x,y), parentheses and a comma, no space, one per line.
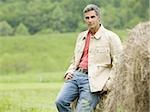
(68,76)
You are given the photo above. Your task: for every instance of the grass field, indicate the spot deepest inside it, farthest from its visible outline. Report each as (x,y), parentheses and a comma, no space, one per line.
(28,97)
(38,53)
(30,92)
(33,77)
(32,70)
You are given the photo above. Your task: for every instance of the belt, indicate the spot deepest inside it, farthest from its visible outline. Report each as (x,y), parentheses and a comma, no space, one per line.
(82,70)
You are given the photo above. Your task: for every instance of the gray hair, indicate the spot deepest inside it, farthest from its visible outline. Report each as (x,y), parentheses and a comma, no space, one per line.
(92,7)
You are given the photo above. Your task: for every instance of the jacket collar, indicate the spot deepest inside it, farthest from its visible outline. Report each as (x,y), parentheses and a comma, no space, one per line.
(97,35)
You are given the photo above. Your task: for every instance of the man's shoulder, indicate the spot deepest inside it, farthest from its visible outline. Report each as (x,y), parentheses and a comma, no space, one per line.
(111,34)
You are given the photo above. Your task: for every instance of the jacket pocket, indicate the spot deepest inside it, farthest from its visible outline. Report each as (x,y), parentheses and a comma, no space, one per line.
(102,55)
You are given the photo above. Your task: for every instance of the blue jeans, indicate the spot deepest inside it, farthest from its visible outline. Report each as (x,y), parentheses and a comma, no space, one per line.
(77,87)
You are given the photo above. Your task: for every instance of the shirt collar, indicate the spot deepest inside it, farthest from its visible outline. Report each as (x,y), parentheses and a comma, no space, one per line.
(97,35)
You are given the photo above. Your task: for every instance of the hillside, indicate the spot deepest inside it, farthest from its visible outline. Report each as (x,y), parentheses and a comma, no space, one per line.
(39,53)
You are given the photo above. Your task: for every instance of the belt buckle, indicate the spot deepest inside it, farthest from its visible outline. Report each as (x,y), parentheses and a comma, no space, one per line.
(83,70)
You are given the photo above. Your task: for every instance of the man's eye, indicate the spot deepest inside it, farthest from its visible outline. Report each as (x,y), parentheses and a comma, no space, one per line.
(92,16)
(86,17)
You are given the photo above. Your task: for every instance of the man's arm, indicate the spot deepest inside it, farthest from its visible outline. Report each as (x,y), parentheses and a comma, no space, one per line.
(71,69)
(72,66)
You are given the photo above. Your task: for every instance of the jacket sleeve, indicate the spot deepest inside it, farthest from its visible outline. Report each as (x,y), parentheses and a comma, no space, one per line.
(115,52)
(72,66)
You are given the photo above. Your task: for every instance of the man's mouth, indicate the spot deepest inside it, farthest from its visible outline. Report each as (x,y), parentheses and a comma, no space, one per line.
(90,24)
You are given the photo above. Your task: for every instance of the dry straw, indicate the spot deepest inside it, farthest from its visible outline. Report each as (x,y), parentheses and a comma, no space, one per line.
(131,87)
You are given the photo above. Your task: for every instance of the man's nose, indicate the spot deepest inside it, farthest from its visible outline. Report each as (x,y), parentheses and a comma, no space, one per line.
(90,19)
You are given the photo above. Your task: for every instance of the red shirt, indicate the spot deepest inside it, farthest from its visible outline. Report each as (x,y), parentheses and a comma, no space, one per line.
(84,59)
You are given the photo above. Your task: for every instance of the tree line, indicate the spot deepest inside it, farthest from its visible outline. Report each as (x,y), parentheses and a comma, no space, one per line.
(47,16)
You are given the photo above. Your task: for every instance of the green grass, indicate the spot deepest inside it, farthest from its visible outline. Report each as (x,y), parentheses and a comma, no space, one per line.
(32,70)
(38,53)
(28,97)
(32,77)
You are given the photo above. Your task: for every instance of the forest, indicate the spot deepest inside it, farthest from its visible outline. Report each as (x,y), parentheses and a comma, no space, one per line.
(28,17)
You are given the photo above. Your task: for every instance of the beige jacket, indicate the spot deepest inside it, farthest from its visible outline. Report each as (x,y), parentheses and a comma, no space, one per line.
(104,49)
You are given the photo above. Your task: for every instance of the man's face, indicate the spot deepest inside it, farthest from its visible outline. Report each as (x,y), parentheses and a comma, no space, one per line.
(91,19)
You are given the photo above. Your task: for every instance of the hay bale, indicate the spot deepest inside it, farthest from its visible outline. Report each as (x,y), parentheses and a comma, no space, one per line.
(132,83)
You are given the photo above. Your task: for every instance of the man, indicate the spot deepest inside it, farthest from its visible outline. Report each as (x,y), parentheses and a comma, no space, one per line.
(92,67)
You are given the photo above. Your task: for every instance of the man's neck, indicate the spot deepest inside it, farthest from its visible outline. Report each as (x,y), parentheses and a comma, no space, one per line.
(94,30)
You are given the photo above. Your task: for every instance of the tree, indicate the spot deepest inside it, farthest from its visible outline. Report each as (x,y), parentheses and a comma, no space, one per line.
(21,30)
(5,29)
(66,15)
